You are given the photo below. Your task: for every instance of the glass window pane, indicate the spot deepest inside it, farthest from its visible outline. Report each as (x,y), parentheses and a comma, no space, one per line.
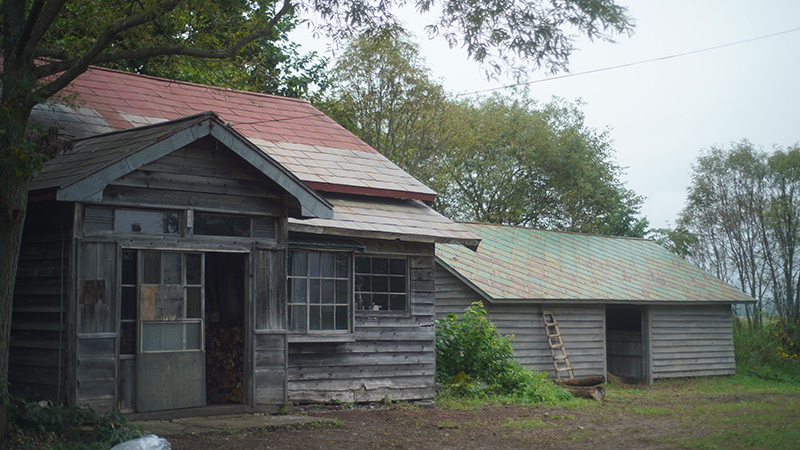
(314,290)
(127,338)
(364,301)
(151,268)
(194,270)
(363,283)
(380,265)
(397,266)
(314,322)
(170,336)
(128,303)
(328,291)
(326,265)
(147,222)
(298,290)
(313,264)
(328,322)
(380,302)
(341,265)
(214,225)
(341,292)
(363,264)
(129,267)
(380,283)
(298,263)
(297,318)
(194,306)
(397,284)
(341,318)
(172,268)
(397,302)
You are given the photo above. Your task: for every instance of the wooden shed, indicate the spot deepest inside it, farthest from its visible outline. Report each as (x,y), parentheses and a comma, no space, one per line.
(202,246)
(624,306)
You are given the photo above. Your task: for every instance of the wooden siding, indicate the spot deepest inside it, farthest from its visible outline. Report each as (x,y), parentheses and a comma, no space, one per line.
(391,353)
(201,175)
(38,346)
(96,371)
(691,341)
(582,327)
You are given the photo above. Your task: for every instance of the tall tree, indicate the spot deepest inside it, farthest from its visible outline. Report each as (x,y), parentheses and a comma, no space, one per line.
(534,32)
(383,92)
(521,164)
(744,209)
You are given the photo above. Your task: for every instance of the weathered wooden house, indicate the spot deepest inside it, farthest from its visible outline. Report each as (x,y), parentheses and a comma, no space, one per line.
(201,245)
(624,306)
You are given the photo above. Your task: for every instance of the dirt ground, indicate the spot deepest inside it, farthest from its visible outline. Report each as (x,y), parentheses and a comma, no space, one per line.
(665,416)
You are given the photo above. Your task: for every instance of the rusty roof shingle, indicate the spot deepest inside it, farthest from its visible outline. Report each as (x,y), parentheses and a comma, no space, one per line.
(289,130)
(517,263)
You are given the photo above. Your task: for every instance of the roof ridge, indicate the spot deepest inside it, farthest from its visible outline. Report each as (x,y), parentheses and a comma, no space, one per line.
(577,233)
(199,85)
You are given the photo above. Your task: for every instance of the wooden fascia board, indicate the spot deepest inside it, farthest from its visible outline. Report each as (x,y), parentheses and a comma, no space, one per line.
(466,281)
(369,234)
(311,203)
(562,301)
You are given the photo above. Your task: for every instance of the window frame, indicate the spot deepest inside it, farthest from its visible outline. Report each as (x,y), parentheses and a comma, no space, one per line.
(308,334)
(407,286)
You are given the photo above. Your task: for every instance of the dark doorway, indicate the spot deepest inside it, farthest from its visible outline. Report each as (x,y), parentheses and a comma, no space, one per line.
(624,349)
(225,334)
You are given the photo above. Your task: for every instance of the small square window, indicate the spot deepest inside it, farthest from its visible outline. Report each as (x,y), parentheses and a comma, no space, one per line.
(381,283)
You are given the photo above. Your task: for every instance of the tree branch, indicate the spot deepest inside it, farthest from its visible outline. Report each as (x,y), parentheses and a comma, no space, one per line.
(39,22)
(71,69)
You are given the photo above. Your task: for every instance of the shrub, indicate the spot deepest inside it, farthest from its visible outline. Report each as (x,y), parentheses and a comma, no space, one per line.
(56,426)
(769,351)
(473,359)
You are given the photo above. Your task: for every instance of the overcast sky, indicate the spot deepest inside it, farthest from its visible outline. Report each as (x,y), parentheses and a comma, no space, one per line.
(662,114)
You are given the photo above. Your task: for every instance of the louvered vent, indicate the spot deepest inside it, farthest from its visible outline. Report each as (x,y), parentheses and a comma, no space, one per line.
(264,228)
(99,219)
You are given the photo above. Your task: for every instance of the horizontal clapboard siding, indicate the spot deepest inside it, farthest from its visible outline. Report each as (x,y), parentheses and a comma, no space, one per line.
(37,353)
(582,327)
(390,355)
(690,342)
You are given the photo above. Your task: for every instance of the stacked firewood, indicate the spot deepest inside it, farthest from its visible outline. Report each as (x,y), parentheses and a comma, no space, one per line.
(224,365)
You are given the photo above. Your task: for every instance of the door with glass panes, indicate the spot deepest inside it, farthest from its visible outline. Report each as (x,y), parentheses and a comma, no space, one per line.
(168,287)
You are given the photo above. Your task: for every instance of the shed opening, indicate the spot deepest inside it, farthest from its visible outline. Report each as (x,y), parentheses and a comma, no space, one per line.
(624,349)
(225,336)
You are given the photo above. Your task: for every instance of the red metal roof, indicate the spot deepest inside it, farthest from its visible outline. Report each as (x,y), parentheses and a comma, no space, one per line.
(321,152)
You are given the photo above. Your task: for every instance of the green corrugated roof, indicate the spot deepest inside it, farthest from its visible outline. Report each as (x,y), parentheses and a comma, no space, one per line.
(516,263)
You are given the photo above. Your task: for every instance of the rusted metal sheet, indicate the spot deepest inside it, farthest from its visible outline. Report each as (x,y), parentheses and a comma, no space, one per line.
(516,263)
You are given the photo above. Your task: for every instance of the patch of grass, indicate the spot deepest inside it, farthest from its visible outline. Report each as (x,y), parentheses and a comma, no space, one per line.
(652,411)
(522,424)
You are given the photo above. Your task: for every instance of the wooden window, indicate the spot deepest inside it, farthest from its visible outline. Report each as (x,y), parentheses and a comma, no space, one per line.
(381,283)
(131,221)
(318,287)
(171,301)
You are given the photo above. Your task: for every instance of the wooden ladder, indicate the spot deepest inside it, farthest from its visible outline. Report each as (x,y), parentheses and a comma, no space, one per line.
(560,358)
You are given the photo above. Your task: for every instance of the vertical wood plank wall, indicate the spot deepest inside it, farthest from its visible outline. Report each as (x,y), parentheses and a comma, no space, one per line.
(269,342)
(582,327)
(690,342)
(392,354)
(97,325)
(38,346)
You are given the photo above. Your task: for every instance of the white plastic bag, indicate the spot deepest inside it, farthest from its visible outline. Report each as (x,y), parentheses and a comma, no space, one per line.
(149,442)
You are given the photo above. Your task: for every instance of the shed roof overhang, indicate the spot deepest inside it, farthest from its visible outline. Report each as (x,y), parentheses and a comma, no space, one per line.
(94,162)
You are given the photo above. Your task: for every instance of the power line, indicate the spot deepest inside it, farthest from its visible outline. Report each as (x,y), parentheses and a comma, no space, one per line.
(646,61)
